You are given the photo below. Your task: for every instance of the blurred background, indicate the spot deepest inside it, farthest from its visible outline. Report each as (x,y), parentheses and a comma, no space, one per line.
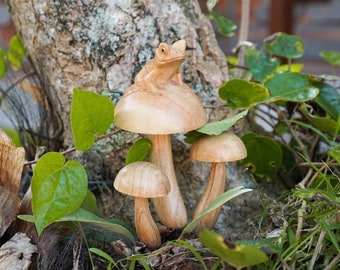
(317,22)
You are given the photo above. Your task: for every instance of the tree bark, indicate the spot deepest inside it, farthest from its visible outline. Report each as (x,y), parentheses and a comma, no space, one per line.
(100,46)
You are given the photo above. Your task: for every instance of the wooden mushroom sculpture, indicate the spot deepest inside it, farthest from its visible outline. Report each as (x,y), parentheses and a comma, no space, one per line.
(143,180)
(218,150)
(160,104)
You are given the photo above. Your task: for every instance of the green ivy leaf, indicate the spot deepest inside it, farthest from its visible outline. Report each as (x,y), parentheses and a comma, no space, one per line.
(3,63)
(90,203)
(13,134)
(211,4)
(260,64)
(83,216)
(239,255)
(138,151)
(335,153)
(291,86)
(282,44)
(91,114)
(241,94)
(214,128)
(328,99)
(218,127)
(225,27)
(324,124)
(192,136)
(58,188)
(16,52)
(331,57)
(219,201)
(264,155)
(288,158)
(28,218)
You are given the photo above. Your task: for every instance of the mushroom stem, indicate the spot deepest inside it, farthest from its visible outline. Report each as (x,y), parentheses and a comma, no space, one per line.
(146,228)
(170,208)
(215,187)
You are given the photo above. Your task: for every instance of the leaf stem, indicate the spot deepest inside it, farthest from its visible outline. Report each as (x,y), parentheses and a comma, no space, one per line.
(72,149)
(243,36)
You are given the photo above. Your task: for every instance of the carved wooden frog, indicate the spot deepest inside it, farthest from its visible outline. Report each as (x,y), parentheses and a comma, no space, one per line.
(164,67)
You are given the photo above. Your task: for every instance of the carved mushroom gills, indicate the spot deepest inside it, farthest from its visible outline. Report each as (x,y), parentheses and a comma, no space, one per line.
(219,149)
(160,104)
(143,180)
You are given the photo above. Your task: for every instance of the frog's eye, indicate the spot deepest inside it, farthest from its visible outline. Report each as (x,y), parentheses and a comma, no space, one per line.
(163,49)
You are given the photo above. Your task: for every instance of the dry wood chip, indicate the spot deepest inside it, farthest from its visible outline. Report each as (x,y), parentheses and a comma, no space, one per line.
(11,164)
(16,253)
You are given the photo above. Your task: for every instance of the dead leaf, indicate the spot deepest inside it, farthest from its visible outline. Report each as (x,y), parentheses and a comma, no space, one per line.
(11,165)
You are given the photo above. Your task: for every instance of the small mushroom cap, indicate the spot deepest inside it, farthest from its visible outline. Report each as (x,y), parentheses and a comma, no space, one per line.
(174,108)
(221,148)
(142,179)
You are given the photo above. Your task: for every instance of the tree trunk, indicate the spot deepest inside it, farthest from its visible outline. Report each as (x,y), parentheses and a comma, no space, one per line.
(100,46)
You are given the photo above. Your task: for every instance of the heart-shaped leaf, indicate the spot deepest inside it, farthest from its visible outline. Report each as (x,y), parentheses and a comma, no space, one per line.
(324,124)
(264,155)
(81,215)
(112,227)
(214,128)
(16,52)
(225,26)
(218,127)
(260,64)
(328,99)
(331,57)
(138,151)
(91,114)
(58,188)
(241,94)
(291,86)
(282,44)
(90,203)
(288,158)
(3,62)
(237,255)
(211,4)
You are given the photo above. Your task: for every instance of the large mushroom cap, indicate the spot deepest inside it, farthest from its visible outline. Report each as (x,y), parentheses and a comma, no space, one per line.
(221,148)
(142,179)
(174,108)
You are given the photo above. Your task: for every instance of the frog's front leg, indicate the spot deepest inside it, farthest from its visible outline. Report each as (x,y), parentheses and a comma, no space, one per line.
(178,77)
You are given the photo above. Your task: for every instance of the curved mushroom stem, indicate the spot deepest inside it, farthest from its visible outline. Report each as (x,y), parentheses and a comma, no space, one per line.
(170,208)
(146,228)
(215,187)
